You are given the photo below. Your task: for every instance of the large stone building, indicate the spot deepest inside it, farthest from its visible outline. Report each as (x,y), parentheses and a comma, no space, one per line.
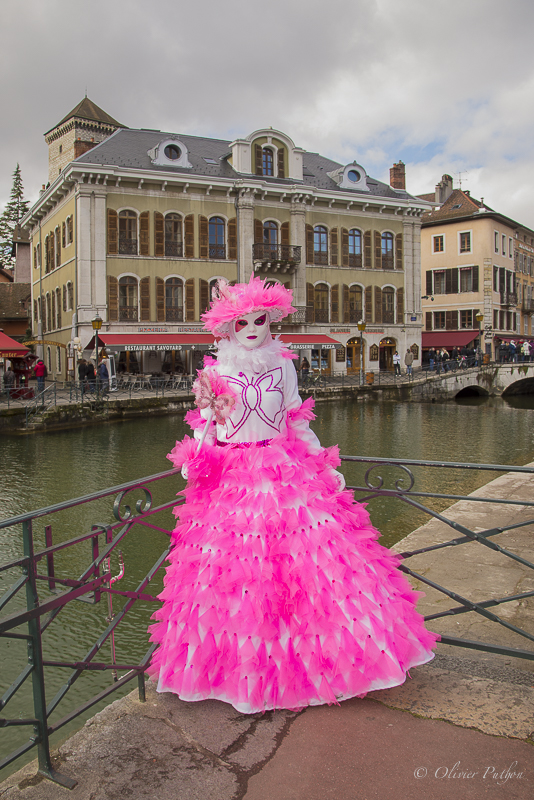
(139,227)
(474,261)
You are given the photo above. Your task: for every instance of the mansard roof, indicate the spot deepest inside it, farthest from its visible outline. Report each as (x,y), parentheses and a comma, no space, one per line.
(89,111)
(129,148)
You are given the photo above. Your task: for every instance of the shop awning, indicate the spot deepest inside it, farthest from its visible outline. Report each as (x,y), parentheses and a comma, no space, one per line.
(447,338)
(9,348)
(119,342)
(515,339)
(310,341)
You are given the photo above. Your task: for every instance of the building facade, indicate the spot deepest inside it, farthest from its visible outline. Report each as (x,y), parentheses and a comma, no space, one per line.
(140,226)
(474,261)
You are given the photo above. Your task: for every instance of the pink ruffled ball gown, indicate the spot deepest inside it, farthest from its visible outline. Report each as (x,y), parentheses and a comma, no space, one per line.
(277,594)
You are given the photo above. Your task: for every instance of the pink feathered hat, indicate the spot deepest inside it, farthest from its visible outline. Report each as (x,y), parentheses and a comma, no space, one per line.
(230,302)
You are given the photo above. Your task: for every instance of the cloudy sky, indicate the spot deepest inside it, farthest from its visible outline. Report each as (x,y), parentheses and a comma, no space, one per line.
(444,85)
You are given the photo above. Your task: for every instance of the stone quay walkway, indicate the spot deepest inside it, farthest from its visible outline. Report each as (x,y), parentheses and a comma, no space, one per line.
(460,728)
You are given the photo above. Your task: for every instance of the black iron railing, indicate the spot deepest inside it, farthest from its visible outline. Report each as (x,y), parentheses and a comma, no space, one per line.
(508,299)
(41,585)
(174,249)
(127,247)
(276,253)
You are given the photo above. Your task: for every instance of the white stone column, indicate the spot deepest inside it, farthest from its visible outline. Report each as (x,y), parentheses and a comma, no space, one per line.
(83,247)
(245,235)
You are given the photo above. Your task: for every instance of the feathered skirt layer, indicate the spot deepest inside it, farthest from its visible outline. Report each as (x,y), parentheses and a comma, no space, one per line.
(277,594)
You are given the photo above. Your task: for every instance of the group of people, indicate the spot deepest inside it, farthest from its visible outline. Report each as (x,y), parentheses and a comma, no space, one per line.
(87,375)
(510,352)
(441,360)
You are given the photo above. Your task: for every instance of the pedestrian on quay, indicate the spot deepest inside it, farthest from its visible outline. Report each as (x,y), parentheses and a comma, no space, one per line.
(41,373)
(408,361)
(525,351)
(9,379)
(513,351)
(396,363)
(82,372)
(431,359)
(305,370)
(103,376)
(90,376)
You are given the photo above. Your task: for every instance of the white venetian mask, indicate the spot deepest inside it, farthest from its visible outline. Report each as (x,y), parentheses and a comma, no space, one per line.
(251,330)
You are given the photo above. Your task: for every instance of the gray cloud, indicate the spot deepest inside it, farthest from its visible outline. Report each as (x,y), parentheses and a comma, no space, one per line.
(444,85)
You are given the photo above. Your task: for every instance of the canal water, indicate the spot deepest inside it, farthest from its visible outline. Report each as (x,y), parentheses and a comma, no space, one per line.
(47,468)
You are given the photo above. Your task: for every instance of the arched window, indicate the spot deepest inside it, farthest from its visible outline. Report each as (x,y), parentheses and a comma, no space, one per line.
(355,248)
(320,245)
(174,300)
(387,251)
(128,233)
(355,304)
(217,245)
(270,241)
(321,302)
(388,305)
(57,246)
(173,236)
(70,296)
(212,285)
(49,320)
(267,161)
(128,303)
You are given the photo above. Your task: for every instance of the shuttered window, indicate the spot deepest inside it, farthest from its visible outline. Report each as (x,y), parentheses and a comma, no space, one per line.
(232,240)
(310,302)
(267,162)
(203,236)
(190,300)
(428,321)
(64,297)
(346,303)
(309,244)
(58,307)
(281,164)
(113,299)
(378,304)
(63,235)
(451,320)
(388,305)
(355,305)
(369,304)
(429,287)
(217,236)
(334,303)
(320,245)
(258,159)
(321,303)
(160,299)
(144,234)
(378,250)
(400,306)
(368,260)
(174,300)
(127,233)
(144,285)
(189,224)
(159,237)
(388,256)
(258,231)
(399,250)
(284,233)
(204,295)
(344,247)
(70,229)
(53,314)
(334,247)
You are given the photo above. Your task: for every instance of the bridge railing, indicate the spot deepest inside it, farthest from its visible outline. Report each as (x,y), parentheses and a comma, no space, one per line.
(58,586)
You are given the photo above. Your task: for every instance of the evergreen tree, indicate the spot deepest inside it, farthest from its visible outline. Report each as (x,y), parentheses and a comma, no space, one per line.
(13,213)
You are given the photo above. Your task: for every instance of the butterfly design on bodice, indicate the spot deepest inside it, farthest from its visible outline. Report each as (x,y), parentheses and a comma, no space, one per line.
(259,395)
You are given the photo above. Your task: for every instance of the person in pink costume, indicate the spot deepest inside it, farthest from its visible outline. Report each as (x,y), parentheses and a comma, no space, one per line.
(277,594)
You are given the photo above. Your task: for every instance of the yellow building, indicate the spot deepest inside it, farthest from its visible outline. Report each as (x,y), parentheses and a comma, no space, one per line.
(139,226)
(474,261)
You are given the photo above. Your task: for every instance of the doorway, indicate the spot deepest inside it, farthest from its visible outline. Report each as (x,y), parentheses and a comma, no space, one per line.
(385,359)
(353,355)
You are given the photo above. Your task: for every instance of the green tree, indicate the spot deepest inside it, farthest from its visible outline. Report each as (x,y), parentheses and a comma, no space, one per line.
(13,213)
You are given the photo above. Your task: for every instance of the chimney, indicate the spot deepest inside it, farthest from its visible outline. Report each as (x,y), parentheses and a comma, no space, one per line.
(397,176)
(443,189)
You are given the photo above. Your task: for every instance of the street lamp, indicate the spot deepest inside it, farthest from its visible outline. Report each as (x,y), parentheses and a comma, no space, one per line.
(361,328)
(96,322)
(479,317)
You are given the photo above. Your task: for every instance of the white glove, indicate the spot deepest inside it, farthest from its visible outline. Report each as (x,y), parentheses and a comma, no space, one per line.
(184,471)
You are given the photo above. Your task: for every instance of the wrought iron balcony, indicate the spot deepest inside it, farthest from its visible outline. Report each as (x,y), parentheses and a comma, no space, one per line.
(280,255)
(174,249)
(527,305)
(217,251)
(508,299)
(128,313)
(128,247)
(174,314)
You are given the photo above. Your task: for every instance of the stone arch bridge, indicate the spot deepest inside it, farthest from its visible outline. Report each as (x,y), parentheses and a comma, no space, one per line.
(494,380)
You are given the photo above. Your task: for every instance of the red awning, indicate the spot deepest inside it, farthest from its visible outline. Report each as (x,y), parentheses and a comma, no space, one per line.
(447,338)
(117,342)
(515,339)
(9,348)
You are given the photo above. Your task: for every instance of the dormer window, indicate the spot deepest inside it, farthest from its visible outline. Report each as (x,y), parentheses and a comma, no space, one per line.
(270,160)
(351,176)
(267,161)
(172,152)
(354,176)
